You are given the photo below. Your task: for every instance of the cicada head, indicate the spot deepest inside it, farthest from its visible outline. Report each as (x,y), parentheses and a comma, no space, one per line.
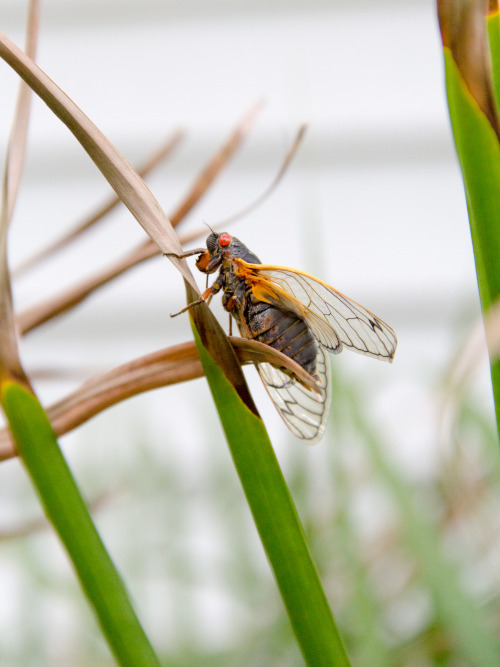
(224,246)
(218,247)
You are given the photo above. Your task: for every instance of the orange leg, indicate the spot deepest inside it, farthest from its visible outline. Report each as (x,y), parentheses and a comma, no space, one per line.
(188,253)
(204,298)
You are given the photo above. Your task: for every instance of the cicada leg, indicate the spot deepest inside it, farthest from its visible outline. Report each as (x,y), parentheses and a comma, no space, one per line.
(204,298)
(188,253)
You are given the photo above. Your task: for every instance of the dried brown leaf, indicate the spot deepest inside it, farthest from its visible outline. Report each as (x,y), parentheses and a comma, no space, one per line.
(10,364)
(29,527)
(18,136)
(253,352)
(188,237)
(274,183)
(42,312)
(67,299)
(208,175)
(492,330)
(121,176)
(90,221)
(463,31)
(464,365)
(159,369)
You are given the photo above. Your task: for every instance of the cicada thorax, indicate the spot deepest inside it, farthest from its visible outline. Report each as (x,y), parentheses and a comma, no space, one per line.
(267,323)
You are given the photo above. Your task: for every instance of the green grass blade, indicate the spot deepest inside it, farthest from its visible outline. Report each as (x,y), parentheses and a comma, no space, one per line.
(479,154)
(64,506)
(277,521)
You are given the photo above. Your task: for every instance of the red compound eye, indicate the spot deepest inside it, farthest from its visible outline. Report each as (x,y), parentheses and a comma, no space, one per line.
(224,240)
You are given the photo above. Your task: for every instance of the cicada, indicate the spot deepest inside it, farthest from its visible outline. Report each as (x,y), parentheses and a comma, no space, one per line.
(296,314)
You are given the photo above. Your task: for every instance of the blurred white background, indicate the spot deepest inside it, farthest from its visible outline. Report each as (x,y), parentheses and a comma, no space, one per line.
(373,203)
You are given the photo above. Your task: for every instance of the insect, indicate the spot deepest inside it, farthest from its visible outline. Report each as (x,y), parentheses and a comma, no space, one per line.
(296,314)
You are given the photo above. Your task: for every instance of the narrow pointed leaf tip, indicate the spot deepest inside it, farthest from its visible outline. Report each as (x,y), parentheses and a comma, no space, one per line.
(463,32)
(10,363)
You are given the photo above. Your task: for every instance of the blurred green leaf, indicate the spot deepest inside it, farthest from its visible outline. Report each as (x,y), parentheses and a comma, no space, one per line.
(475,128)
(64,506)
(479,154)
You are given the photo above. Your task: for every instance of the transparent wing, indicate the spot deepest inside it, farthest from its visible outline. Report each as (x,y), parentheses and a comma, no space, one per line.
(335,320)
(304,413)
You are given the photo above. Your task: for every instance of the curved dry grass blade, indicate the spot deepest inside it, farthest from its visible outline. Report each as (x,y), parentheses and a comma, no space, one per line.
(274,183)
(143,170)
(39,524)
(253,352)
(18,136)
(118,172)
(492,330)
(172,365)
(456,381)
(464,365)
(42,312)
(10,364)
(463,31)
(217,162)
(188,237)
(159,369)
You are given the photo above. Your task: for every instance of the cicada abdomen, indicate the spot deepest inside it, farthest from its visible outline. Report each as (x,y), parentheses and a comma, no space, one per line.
(283,330)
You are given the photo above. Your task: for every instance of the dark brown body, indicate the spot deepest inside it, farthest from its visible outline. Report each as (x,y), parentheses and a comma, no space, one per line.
(282,329)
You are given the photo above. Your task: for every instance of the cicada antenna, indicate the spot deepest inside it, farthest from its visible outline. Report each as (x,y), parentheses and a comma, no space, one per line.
(207,225)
